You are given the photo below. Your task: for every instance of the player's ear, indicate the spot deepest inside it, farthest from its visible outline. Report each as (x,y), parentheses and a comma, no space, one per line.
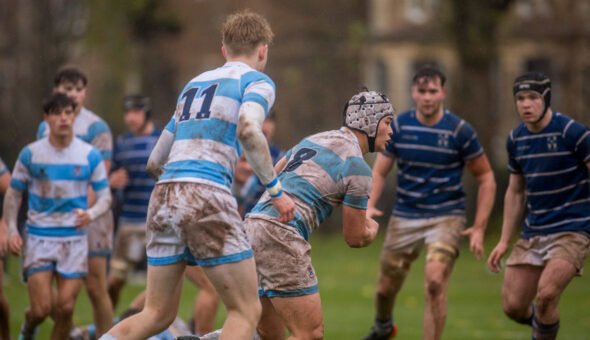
(223,51)
(262,52)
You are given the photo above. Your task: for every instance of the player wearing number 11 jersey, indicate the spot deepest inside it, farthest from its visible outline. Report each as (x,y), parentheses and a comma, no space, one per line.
(192,215)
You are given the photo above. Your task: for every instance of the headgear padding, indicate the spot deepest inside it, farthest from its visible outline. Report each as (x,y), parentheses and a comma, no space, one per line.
(537,82)
(364,111)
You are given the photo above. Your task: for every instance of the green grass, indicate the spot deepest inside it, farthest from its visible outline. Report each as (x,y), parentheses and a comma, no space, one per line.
(347,279)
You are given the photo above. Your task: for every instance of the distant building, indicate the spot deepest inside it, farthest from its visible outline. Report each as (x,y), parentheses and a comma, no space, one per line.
(551,36)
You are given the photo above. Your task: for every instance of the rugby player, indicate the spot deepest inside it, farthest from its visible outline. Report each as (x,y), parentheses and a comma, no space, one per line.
(548,161)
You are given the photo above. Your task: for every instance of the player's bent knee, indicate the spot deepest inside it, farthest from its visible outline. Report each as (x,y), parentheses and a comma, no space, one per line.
(318,332)
(546,297)
(66,308)
(395,265)
(441,252)
(41,309)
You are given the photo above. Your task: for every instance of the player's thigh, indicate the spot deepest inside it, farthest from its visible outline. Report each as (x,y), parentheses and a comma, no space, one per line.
(67,291)
(520,285)
(39,287)
(271,325)
(301,314)
(236,283)
(164,285)
(555,277)
(97,269)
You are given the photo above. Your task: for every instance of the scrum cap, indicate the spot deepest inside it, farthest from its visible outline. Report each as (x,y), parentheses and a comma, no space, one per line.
(537,82)
(364,111)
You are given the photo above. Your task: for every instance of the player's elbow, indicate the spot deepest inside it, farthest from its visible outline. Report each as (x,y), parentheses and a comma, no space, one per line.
(247,131)
(152,169)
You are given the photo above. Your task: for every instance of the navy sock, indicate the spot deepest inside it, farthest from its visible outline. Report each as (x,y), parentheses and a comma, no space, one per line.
(543,331)
(383,326)
(529,320)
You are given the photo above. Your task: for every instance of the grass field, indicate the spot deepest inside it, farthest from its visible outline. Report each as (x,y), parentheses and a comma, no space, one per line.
(347,283)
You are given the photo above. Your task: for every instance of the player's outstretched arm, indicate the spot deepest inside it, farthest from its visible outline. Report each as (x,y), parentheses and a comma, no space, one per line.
(381,168)
(514,206)
(159,154)
(255,146)
(12,200)
(358,228)
(482,172)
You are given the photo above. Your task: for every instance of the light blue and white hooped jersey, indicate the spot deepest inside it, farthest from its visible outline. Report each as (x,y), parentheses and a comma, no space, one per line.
(430,160)
(90,128)
(323,171)
(553,163)
(3,168)
(57,182)
(206,148)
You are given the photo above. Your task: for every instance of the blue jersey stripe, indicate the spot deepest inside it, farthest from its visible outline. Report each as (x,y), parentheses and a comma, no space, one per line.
(355,201)
(218,130)
(55,204)
(211,171)
(60,172)
(300,187)
(255,76)
(171,126)
(96,186)
(54,231)
(18,185)
(255,97)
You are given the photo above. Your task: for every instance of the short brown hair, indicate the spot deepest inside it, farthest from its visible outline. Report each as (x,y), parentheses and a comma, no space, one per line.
(243,31)
(71,75)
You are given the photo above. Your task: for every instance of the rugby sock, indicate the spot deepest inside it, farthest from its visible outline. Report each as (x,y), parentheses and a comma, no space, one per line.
(92,332)
(543,331)
(383,327)
(529,320)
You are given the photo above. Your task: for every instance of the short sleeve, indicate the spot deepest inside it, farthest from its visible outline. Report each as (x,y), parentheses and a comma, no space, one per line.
(98,174)
(577,138)
(21,175)
(171,126)
(356,176)
(42,131)
(513,166)
(469,146)
(101,138)
(259,88)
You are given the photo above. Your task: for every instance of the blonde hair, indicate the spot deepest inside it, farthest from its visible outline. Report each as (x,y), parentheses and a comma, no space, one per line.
(243,31)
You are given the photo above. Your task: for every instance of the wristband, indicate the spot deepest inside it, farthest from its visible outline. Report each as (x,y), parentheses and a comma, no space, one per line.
(274,188)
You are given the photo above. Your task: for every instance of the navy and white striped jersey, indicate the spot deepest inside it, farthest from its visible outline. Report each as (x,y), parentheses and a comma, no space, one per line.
(132,153)
(57,182)
(323,171)
(90,128)
(205,147)
(430,161)
(553,163)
